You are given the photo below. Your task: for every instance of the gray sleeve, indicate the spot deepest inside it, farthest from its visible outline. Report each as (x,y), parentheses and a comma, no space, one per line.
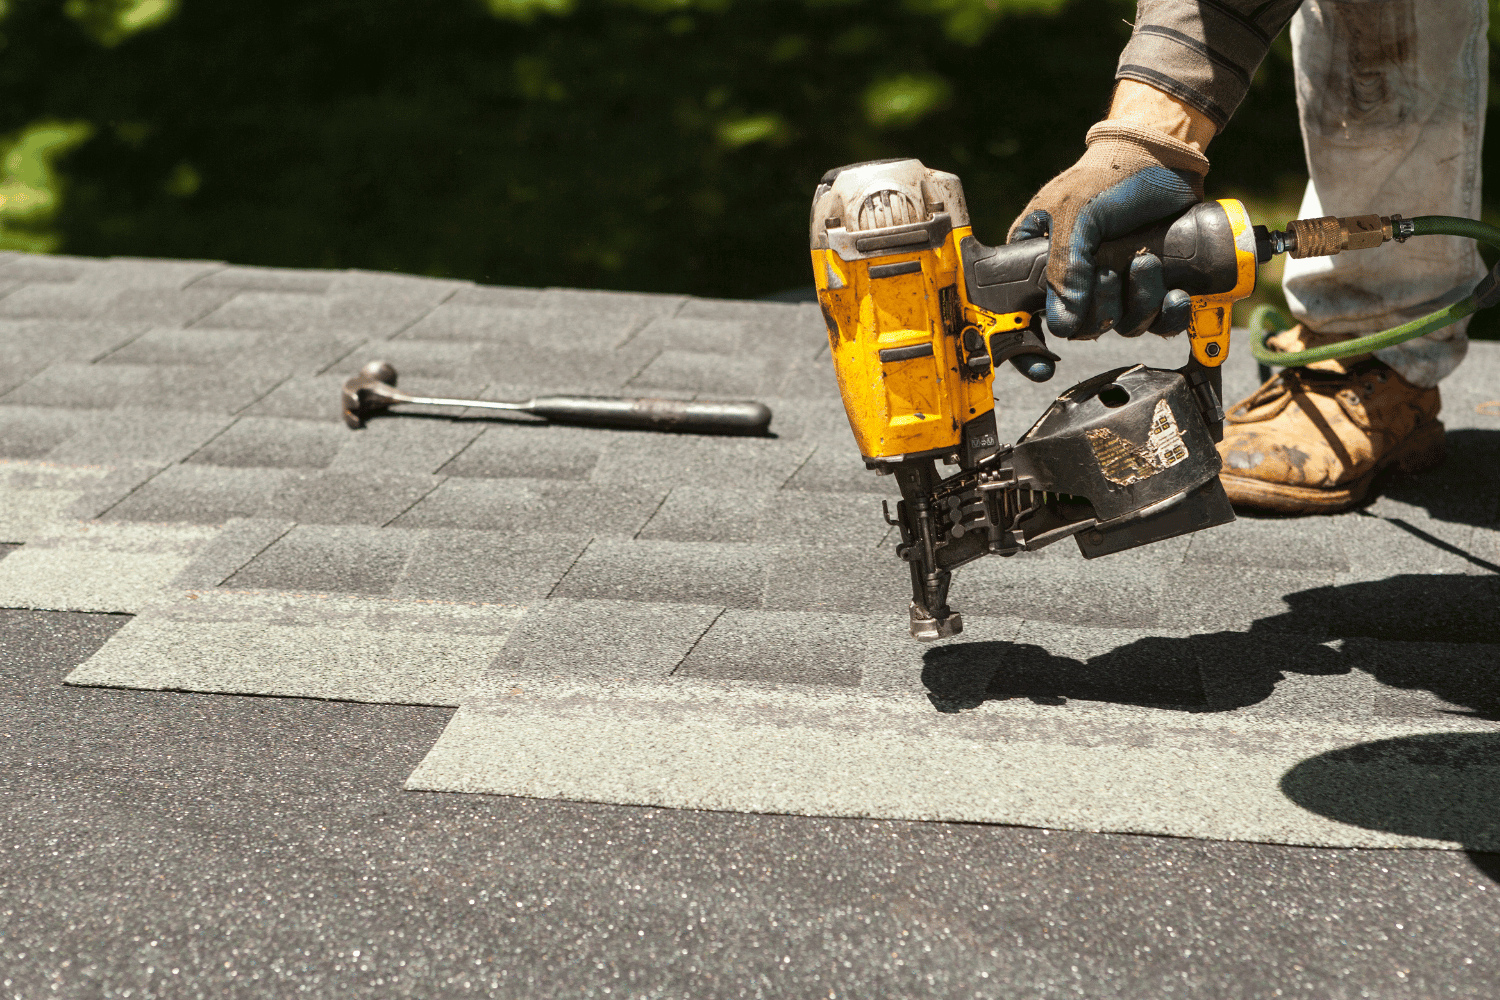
(1203,52)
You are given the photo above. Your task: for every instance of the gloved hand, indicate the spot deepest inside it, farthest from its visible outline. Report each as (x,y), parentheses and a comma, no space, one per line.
(1131,176)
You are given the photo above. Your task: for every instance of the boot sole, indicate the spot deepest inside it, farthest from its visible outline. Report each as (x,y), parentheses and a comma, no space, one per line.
(1423,450)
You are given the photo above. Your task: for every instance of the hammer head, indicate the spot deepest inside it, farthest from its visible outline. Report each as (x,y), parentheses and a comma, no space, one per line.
(362,395)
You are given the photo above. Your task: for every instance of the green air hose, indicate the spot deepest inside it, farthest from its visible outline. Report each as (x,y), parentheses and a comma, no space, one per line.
(1266,320)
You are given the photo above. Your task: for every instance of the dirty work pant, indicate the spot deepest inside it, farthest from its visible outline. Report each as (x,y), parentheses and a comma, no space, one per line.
(1391,95)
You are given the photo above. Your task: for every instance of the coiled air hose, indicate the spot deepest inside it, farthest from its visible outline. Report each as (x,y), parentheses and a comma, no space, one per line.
(1328,236)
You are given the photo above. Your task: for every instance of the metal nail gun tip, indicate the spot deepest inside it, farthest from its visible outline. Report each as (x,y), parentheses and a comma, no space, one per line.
(928,629)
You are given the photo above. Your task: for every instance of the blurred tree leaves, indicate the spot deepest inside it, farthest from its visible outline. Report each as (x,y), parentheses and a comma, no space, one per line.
(30,190)
(113,21)
(648,144)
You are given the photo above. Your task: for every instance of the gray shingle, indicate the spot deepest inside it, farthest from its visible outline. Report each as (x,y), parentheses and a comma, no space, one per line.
(1060,586)
(33,431)
(489,296)
(1273,543)
(121,481)
(600,639)
(347,497)
(420,365)
(376,314)
(237,350)
(589,301)
(715,374)
(819,418)
(527,369)
(1407,541)
(533,450)
(705,336)
(166,306)
(403,445)
(1239,598)
(808,378)
(488,566)
(535,327)
(743,310)
(845,581)
(305,397)
(706,574)
(665,460)
(530,505)
(274,443)
(704,514)
(34,343)
(199,494)
(785,517)
(139,274)
(57,301)
(835,467)
(776,648)
(768,329)
(123,435)
(269,279)
(182,387)
(344,559)
(47,267)
(241,540)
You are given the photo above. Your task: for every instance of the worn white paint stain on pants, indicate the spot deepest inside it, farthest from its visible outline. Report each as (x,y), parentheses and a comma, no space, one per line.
(1392,96)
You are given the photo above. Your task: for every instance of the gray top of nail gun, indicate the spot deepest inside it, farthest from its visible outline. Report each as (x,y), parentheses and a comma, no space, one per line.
(172,448)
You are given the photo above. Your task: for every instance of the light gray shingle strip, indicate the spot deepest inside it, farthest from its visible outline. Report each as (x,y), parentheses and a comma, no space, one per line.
(115,568)
(310,646)
(33,495)
(824,752)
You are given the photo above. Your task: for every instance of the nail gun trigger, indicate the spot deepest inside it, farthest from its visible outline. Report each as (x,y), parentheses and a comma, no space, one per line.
(885,510)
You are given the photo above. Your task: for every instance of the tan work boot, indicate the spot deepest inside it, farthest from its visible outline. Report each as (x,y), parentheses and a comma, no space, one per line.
(1312,440)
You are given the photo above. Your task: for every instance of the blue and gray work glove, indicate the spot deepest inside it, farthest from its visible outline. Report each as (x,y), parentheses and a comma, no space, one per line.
(1130,177)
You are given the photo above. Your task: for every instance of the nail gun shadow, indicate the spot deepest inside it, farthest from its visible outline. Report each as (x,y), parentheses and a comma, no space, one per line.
(1442,786)
(1438,619)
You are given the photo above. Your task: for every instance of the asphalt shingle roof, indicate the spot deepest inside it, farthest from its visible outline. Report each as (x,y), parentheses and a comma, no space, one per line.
(714,622)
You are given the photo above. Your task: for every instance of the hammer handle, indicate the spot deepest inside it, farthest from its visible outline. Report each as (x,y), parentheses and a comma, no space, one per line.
(685,416)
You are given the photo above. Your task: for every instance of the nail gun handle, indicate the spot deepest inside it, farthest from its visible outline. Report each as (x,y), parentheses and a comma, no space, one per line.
(680,415)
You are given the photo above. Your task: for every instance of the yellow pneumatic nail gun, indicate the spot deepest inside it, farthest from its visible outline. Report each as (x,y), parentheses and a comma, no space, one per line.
(919,315)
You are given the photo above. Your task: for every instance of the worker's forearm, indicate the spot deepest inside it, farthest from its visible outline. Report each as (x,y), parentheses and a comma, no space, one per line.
(1202,53)
(1142,104)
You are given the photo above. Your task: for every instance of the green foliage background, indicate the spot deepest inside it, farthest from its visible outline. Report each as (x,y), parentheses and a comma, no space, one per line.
(667,145)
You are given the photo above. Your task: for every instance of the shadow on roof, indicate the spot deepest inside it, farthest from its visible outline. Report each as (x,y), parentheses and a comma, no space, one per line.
(1438,620)
(1444,786)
